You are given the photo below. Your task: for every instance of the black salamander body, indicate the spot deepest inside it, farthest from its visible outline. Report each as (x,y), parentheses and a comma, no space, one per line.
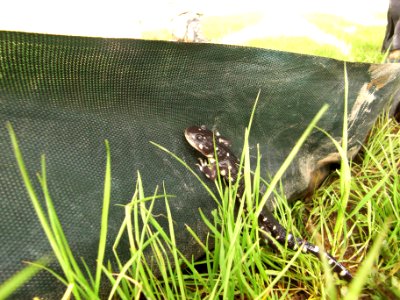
(202,139)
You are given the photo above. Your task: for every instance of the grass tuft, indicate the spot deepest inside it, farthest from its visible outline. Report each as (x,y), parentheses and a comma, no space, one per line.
(238,266)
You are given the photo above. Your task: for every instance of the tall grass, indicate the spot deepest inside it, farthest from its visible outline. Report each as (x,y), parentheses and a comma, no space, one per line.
(238,267)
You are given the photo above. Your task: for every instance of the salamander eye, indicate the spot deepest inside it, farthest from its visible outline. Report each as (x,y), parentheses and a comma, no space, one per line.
(199,137)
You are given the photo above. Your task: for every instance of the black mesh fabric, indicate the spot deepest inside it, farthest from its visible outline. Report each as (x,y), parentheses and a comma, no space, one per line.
(65,95)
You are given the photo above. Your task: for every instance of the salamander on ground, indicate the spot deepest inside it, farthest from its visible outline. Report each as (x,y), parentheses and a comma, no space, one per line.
(203,140)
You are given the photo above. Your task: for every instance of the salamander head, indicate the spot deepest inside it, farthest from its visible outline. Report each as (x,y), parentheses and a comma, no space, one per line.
(201,139)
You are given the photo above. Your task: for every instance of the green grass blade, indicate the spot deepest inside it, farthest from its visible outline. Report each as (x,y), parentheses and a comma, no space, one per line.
(364,270)
(275,180)
(104,219)
(175,251)
(56,227)
(12,284)
(267,291)
(68,293)
(65,265)
(345,172)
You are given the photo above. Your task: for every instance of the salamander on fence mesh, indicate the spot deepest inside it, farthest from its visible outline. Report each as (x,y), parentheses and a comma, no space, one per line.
(204,140)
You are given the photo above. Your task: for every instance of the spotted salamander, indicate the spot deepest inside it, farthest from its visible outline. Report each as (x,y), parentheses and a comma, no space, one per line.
(202,139)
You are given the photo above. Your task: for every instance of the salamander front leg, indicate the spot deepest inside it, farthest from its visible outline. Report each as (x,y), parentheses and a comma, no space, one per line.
(209,170)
